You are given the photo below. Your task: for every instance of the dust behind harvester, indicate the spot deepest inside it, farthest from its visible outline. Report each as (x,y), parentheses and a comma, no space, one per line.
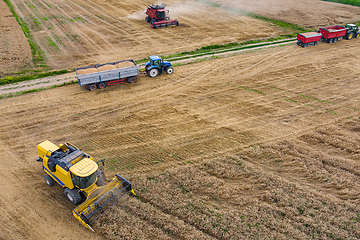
(159,17)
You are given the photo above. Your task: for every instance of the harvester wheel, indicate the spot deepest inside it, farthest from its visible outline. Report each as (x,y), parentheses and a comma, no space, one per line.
(49,181)
(169,70)
(153,72)
(131,79)
(101,85)
(100,182)
(73,196)
(147,19)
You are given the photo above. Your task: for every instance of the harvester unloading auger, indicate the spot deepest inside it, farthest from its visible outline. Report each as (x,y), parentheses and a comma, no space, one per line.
(82,178)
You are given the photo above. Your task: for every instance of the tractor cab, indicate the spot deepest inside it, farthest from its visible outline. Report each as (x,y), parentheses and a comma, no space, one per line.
(157,66)
(352,27)
(156,61)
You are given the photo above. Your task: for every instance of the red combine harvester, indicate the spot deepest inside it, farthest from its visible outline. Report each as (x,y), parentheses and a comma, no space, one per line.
(159,17)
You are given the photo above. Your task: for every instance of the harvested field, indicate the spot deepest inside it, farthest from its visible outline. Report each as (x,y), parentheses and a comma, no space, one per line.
(309,13)
(77,33)
(258,145)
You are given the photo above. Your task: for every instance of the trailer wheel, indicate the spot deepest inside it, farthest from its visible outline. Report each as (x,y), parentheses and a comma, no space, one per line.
(73,196)
(330,40)
(153,72)
(169,70)
(92,87)
(335,40)
(315,43)
(101,85)
(49,181)
(131,79)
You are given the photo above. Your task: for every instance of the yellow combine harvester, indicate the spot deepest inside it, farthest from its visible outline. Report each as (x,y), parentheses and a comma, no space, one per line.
(83,180)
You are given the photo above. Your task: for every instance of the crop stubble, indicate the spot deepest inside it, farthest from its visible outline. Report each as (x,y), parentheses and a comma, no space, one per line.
(262,144)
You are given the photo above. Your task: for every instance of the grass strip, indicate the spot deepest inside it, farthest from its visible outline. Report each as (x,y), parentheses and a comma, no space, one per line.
(221,48)
(37,56)
(9,95)
(348,2)
(31,76)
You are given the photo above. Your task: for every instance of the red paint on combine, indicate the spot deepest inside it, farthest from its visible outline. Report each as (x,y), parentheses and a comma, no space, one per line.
(159,17)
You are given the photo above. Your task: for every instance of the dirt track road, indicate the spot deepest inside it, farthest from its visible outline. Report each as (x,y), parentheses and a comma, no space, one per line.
(203,111)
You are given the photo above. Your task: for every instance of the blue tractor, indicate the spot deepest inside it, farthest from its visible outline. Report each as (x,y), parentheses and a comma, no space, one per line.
(157,66)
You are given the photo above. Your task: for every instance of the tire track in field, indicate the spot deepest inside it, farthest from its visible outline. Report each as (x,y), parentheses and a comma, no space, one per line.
(129,36)
(49,33)
(78,30)
(53,14)
(49,10)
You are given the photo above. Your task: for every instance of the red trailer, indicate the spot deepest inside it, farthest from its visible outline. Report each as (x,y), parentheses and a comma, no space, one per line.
(308,39)
(333,33)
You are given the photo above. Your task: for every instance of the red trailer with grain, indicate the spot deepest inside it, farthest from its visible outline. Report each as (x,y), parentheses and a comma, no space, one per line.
(333,33)
(328,34)
(308,39)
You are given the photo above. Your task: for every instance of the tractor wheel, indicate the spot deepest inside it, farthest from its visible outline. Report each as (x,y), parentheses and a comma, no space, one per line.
(73,196)
(92,87)
(153,72)
(49,181)
(357,35)
(101,85)
(169,70)
(350,36)
(131,79)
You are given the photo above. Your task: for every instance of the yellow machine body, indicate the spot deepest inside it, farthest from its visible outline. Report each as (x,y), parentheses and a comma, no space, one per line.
(75,170)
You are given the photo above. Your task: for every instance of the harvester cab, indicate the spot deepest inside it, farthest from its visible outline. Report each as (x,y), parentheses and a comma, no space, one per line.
(157,66)
(159,17)
(83,180)
(352,30)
